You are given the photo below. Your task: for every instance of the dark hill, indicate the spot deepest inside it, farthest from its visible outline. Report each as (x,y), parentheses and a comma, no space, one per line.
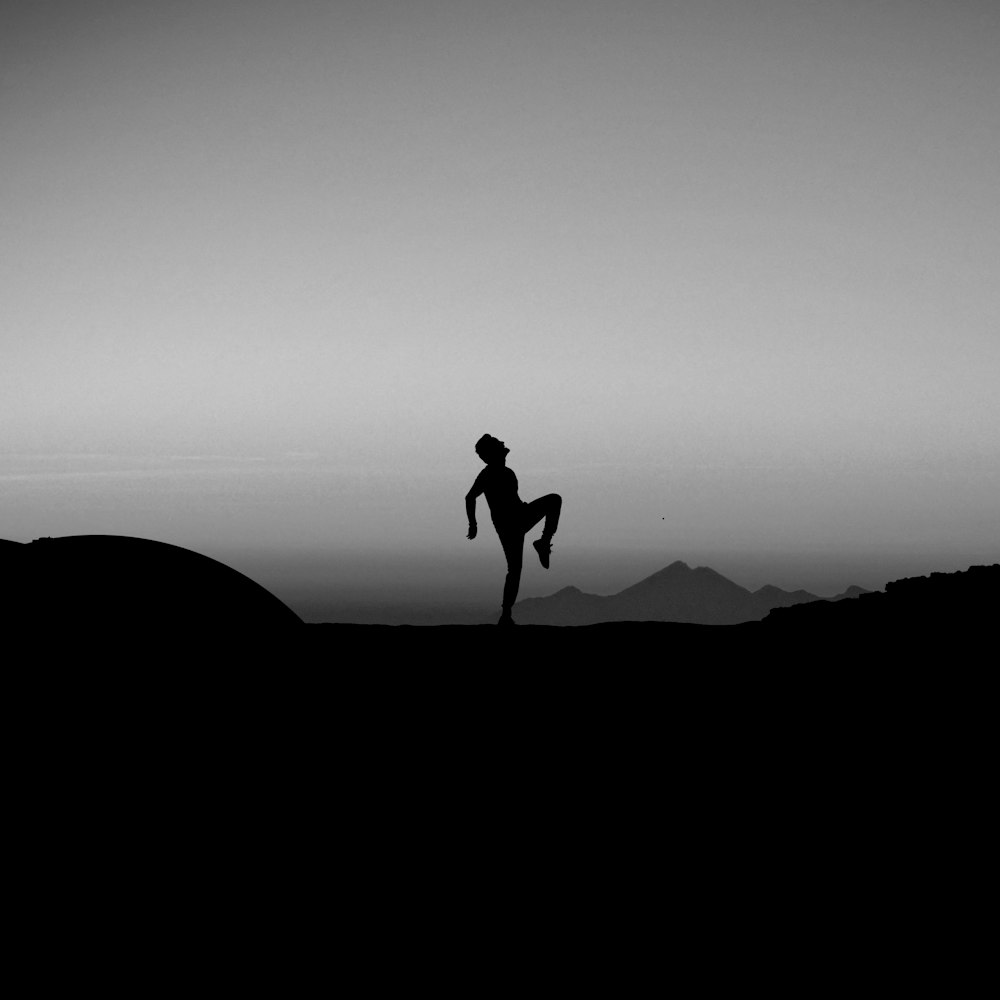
(108,584)
(955,602)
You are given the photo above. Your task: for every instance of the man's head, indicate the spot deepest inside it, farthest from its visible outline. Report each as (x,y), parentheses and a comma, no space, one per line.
(491,449)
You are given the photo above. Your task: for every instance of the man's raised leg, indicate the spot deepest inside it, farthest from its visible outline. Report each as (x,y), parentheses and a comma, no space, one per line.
(548,507)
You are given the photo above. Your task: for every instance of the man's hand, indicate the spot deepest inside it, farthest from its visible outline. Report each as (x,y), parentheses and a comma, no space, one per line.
(472,532)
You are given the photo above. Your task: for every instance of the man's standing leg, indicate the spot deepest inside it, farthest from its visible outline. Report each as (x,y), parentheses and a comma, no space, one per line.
(513,548)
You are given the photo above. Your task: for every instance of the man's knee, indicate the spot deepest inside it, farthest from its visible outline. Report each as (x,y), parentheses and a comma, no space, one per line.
(554,499)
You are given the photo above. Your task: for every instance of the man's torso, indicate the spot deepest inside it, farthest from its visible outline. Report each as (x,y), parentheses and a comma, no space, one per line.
(500,486)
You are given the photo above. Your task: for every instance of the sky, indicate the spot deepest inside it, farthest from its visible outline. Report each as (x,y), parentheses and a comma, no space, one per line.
(722,273)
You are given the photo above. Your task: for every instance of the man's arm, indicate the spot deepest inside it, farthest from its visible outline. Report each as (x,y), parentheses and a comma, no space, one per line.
(470,505)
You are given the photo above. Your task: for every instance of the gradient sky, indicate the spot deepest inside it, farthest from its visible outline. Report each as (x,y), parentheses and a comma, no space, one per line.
(724,273)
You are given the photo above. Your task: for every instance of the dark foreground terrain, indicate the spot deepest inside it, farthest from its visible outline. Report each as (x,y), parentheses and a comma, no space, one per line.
(752,798)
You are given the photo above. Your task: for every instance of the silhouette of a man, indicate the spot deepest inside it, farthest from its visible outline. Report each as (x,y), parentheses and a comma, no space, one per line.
(512,517)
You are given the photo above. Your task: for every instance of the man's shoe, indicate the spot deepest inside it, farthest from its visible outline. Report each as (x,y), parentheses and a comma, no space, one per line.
(505,619)
(544,548)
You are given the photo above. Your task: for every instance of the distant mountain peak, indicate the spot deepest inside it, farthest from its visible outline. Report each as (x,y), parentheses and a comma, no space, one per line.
(770,591)
(676,568)
(684,589)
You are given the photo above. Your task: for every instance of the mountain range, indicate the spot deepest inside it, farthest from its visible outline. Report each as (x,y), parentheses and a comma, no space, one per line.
(676,593)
